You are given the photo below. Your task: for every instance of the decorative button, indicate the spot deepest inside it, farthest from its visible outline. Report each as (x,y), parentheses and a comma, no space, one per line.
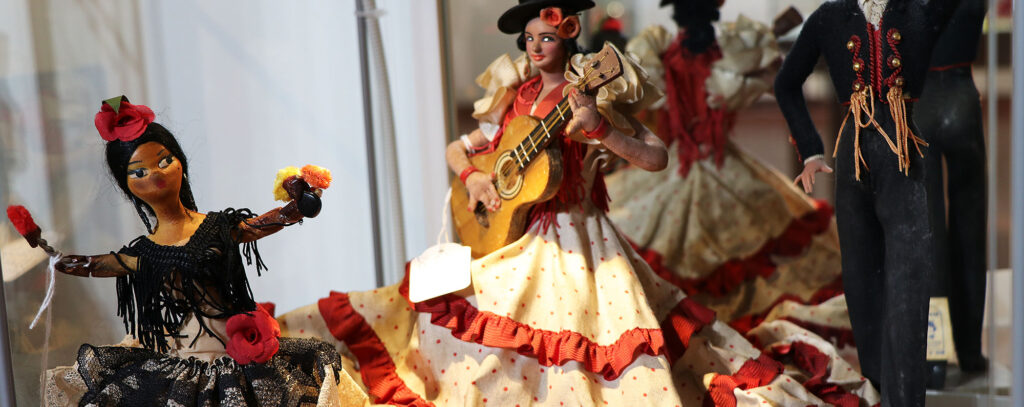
(857,86)
(857,66)
(895,35)
(849,45)
(895,62)
(899,81)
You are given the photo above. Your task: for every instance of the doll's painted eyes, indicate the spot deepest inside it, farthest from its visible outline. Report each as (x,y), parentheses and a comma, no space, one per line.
(543,38)
(166,162)
(137,173)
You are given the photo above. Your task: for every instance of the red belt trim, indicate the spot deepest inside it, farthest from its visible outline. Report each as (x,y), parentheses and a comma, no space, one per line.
(375,364)
(794,240)
(948,67)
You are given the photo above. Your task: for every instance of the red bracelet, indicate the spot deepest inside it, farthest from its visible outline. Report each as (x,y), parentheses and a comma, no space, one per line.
(599,133)
(465,173)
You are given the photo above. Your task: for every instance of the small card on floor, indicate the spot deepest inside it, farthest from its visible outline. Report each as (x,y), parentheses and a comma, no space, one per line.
(439,270)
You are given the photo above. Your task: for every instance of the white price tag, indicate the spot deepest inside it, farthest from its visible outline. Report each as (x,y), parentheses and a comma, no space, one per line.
(439,270)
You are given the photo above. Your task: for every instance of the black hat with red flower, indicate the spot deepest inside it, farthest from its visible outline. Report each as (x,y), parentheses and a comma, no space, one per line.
(515,19)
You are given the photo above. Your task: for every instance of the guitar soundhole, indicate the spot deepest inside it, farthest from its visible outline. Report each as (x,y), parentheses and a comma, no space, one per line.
(481,215)
(508,180)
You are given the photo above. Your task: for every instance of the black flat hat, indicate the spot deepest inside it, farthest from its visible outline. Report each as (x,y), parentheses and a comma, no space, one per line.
(514,20)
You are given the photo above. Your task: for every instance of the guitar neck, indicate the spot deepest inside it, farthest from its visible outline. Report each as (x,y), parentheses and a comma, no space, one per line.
(543,134)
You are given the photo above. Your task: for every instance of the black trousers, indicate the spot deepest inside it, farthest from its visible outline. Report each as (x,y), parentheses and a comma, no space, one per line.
(949,115)
(886,240)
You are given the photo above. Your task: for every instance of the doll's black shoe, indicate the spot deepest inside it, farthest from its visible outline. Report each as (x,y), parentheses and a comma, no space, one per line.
(936,375)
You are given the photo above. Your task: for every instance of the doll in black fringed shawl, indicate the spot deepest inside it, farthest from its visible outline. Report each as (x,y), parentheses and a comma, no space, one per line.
(182,291)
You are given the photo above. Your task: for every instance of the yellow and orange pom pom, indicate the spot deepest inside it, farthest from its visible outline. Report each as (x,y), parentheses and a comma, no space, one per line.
(316,176)
(279,193)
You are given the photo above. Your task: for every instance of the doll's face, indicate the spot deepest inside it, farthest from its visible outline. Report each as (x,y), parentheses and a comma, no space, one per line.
(154,174)
(544,47)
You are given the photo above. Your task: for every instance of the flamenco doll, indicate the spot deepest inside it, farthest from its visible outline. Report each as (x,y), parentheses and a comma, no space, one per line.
(183,293)
(568,314)
(732,233)
(877,53)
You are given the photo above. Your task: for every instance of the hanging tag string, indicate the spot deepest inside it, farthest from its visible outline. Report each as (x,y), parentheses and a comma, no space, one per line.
(444,219)
(51,277)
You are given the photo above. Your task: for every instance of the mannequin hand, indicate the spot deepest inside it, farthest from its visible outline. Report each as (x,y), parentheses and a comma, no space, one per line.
(584,112)
(481,189)
(807,175)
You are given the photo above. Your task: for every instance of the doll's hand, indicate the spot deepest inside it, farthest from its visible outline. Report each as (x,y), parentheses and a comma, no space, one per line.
(481,189)
(584,112)
(74,265)
(807,175)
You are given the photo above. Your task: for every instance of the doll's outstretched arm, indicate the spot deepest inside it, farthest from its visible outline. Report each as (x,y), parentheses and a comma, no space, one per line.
(268,223)
(104,265)
(645,150)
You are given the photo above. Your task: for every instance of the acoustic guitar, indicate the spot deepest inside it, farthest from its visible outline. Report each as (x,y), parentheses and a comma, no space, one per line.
(527,167)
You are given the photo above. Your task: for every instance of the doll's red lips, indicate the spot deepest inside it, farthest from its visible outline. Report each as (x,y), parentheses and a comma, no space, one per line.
(537,57)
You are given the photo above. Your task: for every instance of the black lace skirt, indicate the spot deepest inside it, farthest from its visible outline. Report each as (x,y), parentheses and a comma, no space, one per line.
(120,376)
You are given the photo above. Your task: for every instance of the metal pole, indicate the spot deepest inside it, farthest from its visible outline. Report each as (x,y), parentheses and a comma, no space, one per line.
(993,204)
(6,363)
(371,152)
(1017,203)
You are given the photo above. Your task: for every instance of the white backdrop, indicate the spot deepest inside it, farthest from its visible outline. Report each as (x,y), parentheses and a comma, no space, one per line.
(253,88)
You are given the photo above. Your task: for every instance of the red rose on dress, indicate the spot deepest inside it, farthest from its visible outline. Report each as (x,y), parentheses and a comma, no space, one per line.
(551,16)
(253,337)
(569,28)
(127,124)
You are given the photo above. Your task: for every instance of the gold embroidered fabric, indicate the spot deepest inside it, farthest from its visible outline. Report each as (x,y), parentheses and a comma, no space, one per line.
(750,56)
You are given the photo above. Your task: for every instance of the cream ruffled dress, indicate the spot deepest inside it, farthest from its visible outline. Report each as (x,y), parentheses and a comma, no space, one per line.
(568,315)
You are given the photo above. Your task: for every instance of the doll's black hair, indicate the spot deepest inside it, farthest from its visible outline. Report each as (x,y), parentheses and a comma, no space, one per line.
(696,16)
(120,152)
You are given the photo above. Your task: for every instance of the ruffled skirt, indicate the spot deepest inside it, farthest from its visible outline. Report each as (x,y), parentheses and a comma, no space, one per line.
(740,239)
(564,316)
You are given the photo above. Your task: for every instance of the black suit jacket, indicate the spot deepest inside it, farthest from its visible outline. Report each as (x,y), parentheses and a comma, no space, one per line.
(858,55)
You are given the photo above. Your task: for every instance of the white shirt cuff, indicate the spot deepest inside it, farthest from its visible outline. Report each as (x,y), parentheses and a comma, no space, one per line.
(814,157)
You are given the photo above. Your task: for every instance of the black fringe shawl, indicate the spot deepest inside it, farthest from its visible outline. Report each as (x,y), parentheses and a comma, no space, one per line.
(205,277)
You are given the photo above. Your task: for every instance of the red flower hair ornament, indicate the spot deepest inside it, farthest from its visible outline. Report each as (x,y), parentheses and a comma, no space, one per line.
(120,120)
(566,26)
(551,16)
(252,336)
